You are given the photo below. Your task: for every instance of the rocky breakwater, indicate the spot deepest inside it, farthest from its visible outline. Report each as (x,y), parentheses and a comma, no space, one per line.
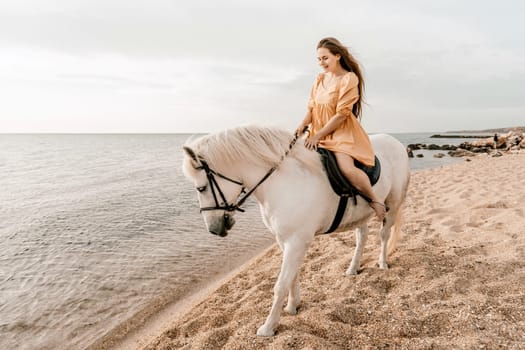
(511,141)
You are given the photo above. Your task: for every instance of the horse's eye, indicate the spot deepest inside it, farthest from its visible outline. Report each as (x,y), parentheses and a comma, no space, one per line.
(201,189)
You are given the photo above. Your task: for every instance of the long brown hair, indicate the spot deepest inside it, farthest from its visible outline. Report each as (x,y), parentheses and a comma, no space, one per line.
(349,63)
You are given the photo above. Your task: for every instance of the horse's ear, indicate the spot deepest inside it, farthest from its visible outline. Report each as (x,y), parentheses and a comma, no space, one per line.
(190,153)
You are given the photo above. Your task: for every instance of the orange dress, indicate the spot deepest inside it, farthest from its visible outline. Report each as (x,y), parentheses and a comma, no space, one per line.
(349,138)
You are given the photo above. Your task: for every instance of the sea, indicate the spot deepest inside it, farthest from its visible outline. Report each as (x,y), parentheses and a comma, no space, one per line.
(98,231)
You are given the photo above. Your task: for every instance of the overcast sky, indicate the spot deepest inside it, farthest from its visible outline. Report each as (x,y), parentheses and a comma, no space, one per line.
(200,66)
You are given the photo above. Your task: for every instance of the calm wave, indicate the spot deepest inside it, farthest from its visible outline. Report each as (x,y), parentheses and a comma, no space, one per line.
(95,229)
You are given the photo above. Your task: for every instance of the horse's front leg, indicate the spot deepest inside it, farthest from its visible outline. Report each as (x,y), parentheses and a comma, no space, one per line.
(293,256)
(360,240)
(294,297)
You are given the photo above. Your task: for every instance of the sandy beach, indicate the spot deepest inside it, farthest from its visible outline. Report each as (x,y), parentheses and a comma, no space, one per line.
(456,279)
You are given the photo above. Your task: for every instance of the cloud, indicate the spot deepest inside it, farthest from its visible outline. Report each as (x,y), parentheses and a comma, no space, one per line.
(201,65)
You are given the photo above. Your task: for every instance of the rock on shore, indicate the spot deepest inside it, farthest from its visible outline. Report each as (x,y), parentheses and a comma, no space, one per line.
(510,141)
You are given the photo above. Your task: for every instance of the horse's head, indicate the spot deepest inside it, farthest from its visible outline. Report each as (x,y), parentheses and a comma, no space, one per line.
(216,192)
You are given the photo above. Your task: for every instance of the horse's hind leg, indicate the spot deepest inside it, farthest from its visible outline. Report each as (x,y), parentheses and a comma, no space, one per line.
(360,238)
(385,236)
(293,256)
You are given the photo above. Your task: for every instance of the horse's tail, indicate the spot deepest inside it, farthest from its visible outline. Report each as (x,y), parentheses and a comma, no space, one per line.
(396,234)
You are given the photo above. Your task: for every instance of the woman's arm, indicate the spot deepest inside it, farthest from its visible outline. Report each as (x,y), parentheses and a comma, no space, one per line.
(333,123)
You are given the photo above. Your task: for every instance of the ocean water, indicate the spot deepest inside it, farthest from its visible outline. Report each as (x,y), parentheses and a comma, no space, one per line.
(98,230)
(428,160)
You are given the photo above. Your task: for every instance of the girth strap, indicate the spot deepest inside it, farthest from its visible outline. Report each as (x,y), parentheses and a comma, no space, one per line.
(343,201)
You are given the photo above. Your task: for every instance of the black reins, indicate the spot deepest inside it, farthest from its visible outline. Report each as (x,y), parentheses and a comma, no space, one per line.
(210,174)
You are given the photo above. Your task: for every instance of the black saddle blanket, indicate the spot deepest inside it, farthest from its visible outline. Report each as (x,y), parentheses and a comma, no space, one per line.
(339,183)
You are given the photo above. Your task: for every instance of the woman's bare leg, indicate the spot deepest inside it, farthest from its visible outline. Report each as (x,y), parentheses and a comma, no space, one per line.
(360,181)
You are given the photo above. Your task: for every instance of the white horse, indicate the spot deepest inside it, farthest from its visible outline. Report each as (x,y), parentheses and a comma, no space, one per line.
(296,200)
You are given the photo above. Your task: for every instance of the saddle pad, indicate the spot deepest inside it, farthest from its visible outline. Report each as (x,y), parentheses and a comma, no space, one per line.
(339,183)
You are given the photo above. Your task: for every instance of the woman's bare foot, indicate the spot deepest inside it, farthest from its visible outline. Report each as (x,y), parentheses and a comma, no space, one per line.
(380,209)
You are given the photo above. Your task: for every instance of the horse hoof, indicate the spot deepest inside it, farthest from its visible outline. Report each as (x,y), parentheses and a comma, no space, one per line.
(264,331)
(351,272)
(290,310)
(383,266)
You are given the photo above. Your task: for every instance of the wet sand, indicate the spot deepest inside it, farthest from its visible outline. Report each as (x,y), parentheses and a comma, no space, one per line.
(456,279)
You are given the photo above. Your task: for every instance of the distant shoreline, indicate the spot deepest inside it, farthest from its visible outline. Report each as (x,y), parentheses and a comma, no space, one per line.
(446,136)
(487,131)
(477,134)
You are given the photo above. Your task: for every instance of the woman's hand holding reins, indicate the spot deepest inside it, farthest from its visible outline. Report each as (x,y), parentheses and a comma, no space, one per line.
(301,130)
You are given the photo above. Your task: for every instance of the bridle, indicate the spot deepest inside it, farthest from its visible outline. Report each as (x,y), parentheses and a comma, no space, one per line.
(210,174)
(243,196)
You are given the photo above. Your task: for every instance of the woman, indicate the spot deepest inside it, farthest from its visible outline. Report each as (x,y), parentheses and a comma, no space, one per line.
(333,109)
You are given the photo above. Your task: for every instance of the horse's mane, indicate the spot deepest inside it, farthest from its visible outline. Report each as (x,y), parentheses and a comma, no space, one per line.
(255,144)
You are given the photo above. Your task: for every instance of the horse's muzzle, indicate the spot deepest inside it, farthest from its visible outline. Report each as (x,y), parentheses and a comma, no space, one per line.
(220,227)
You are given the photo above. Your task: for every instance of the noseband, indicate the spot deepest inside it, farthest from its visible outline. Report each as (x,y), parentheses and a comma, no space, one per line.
(214,186)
